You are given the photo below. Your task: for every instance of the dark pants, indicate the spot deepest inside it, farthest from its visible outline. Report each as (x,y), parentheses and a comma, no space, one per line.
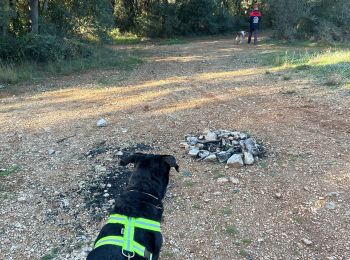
(255,32)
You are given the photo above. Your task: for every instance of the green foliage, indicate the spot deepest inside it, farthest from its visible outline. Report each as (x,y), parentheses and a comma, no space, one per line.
(247,241)
(40,48)
(329,66)
(232,230)
(8,171)
(321,20)
(170,18)
(124,38)
(10,74)
(171,41)
(101,57)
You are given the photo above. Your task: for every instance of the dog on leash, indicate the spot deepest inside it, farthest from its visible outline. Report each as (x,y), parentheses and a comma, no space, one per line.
(240,37)
(133,229)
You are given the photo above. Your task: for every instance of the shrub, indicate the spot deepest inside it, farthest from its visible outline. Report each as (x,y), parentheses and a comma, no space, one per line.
(9,48)
(40,48)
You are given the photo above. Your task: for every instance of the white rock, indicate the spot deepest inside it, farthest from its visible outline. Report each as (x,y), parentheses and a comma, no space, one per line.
(248,158)
(18,225)
(223,156)
(51,151)
(331,205)
(192,140)
(203,153)
(331,258)
(199,146)
(119,153)
(193,152)
(234,180)
(347,213)
(235,134)
(210,158)
(106,195)
(102,122)
(22,199)
(211,136)
(87,249)
(278,195)
(251,145)
(243,136)
(235,160)
(307,241)
(65,203)
(222,180)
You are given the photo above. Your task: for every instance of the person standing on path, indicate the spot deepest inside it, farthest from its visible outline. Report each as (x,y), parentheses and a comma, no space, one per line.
(254,21)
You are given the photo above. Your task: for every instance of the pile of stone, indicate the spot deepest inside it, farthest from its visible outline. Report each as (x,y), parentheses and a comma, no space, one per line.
(234,148)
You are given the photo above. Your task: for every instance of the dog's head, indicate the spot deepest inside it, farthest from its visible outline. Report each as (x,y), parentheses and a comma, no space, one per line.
(150,167)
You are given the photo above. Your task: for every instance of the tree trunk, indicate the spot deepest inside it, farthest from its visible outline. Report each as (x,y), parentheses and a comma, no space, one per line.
(46,6)
(164,17)
(34,15)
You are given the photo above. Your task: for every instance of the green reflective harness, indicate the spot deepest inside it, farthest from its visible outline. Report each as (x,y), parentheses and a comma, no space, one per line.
(127,242)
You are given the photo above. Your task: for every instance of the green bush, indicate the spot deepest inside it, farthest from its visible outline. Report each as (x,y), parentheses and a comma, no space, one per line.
(40,48)
(9,48)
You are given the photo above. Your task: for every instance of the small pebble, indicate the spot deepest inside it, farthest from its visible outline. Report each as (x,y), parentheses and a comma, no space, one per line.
(234,180)
(278,195)
(331,205)
(222,180)
(21,199)
(307,241)
(102,122)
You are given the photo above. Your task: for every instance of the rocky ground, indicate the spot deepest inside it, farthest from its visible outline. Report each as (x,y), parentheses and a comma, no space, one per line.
(60,171)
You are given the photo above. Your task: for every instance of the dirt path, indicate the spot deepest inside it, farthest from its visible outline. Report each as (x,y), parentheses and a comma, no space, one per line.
(182,89)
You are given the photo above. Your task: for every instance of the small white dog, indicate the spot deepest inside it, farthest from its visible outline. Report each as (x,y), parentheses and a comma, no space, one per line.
(240,36)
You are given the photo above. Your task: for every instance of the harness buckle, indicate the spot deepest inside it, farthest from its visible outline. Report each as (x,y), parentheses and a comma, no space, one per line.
(127,255)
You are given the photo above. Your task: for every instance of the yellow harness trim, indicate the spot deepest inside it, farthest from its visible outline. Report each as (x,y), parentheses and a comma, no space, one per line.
(127,241)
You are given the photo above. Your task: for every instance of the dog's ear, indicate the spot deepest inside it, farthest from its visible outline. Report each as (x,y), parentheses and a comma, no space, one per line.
(171,161)
(133,158)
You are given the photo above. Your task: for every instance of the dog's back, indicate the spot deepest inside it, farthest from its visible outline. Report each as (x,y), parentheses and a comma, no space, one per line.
(141,202)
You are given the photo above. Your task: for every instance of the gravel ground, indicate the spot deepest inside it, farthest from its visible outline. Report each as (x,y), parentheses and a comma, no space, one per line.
(294,204)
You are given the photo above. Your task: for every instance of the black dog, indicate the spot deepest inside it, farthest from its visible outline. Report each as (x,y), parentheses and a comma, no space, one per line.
(133,230)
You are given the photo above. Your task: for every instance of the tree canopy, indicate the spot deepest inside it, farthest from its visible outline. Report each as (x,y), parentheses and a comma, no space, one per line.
(93,19)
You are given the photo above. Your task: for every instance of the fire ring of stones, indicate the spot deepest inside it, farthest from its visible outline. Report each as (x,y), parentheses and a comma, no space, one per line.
(234,148)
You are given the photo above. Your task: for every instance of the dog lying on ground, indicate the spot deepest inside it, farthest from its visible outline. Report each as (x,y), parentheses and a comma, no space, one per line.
(240,36)
(133,229)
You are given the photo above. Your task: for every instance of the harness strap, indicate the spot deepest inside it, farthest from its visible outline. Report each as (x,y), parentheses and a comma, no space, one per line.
(127,241)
